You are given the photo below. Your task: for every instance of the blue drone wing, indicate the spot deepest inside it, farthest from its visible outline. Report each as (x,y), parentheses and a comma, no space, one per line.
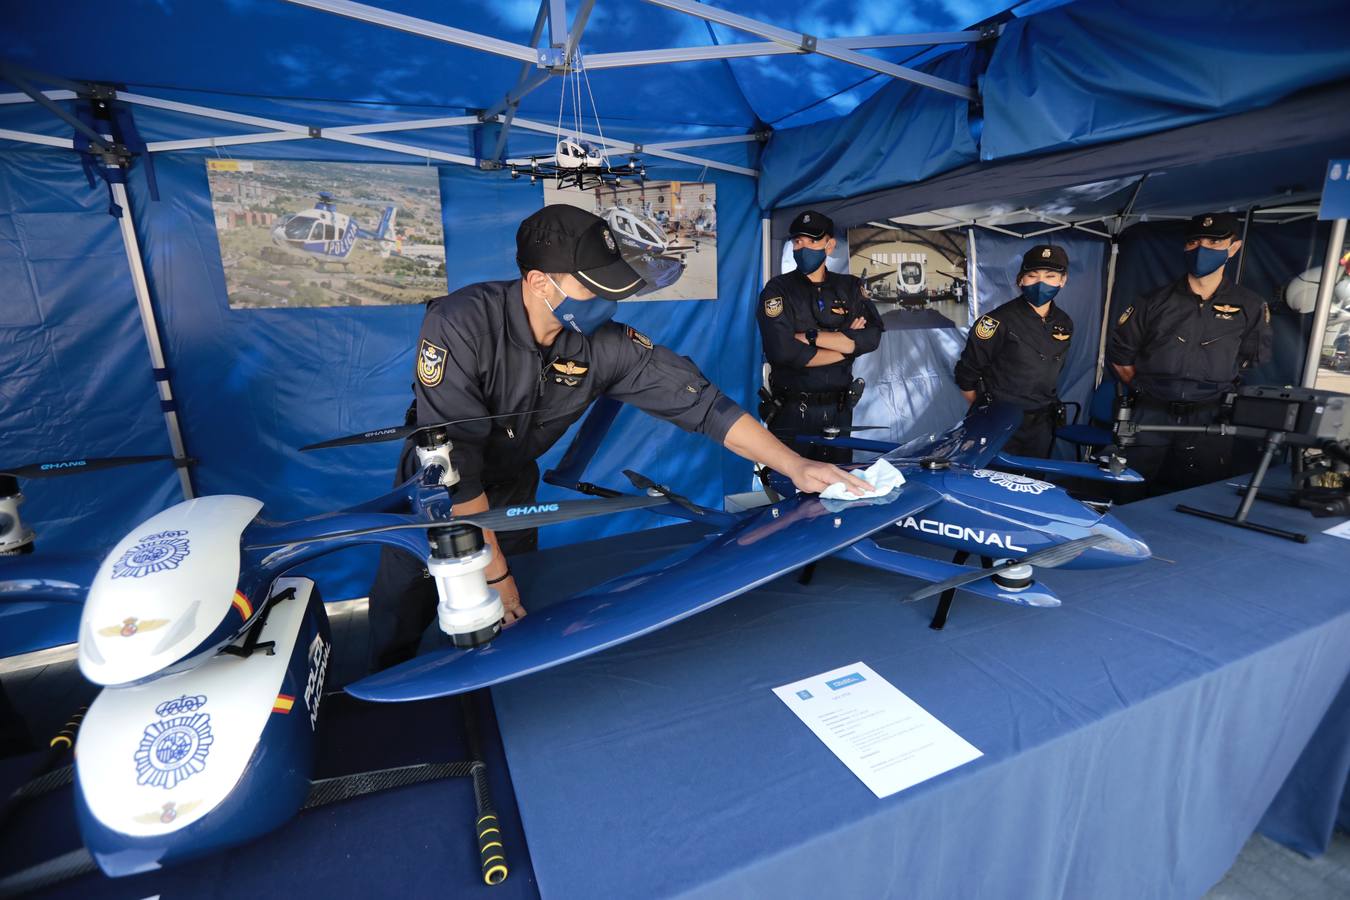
(974,441)
(780,539)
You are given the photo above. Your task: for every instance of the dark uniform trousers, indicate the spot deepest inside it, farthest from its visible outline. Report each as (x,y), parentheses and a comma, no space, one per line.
(807,414)
(407,607)
(1036,436)
(1172,461)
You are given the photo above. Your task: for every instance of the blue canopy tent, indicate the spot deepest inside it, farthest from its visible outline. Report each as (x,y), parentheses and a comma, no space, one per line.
(335,80)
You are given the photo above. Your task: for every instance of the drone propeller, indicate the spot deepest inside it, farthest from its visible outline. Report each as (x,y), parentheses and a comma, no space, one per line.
(511,518)
(643,483)
(1049,558)
(399,432)
(53,468)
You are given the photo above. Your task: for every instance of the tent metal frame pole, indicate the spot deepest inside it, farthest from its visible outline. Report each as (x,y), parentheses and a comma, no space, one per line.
(548,12)
(765,250)
(412,25)
(147,311)
(1106,312)
(973,260)
(29,137)
(1242,251)
(812,44)
(668,55)
(1323,309)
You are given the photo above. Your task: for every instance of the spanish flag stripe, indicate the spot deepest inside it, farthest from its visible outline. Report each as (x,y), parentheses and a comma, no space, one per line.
(283,704)
(241,603)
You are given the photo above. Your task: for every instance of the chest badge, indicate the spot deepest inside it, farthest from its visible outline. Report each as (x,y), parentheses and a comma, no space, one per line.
(773,307)
(985,328)
(1226,309)
(1060,334)
(569,372)
(839,310)
(430,363)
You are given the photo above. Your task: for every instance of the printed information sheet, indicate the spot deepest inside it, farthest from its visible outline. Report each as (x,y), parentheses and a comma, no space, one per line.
(1341,531)
(885,738)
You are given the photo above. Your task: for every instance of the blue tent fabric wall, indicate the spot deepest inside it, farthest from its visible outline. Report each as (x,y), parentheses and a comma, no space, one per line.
(902,134)
(75,379)
(1101,70)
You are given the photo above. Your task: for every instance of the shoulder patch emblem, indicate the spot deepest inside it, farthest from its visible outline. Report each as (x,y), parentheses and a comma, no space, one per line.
(430,363)
(1265,310)
(985,328)
(773,307)
(638,337)
(1125,316)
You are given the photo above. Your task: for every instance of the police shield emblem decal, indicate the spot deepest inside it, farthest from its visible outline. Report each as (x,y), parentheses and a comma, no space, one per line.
(1125,316)
(773,307)
(430,363)
(985,328)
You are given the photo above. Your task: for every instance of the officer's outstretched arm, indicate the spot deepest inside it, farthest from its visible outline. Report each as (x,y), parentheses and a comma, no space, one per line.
(751,440)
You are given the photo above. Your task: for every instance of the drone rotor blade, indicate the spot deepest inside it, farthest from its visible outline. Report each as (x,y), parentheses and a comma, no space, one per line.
(643,483)
(54,468)
(1049,558)
(511,518)
(399,432)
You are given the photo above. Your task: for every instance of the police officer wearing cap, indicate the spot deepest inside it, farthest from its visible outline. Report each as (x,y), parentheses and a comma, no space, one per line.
(1181,347)
(814,323)
(543,347)
(1015,353)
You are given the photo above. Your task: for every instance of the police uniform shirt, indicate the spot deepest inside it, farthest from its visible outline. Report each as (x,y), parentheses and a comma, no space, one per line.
(791,303)
(1018,354)
(1187,349)
(476,356)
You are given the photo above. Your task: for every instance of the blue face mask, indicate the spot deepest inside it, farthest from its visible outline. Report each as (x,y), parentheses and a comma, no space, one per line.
(1204,261)
(808,259)
(1039,293)
(583,316)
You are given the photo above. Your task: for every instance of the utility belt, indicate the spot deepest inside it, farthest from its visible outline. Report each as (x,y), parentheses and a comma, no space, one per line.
(771,404)
(1055,411)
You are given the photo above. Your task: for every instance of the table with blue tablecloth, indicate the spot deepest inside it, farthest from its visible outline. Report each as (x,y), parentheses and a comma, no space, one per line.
(1132,739)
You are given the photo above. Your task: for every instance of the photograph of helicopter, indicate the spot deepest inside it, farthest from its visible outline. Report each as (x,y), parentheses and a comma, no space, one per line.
(301,234)
(913,270)
(212,655)
(667,231)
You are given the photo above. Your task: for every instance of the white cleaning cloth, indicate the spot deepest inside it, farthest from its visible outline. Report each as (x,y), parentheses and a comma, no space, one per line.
(881,475)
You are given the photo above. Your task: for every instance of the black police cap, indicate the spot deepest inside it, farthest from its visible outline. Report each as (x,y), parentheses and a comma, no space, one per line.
(811,224)
(1212,225)
(562,238)
(1045,256)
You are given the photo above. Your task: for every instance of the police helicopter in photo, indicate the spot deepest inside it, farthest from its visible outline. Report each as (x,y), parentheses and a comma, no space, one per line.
(212,656)
(328,234)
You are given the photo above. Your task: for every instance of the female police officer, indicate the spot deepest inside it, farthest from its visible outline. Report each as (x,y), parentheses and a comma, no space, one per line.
(543,347)
(1015,353)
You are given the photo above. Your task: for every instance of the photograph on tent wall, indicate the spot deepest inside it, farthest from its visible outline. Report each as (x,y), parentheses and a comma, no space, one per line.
(307,234)
(667,231)
(916,277)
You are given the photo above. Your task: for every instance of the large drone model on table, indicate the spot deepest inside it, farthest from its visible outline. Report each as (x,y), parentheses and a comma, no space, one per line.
(212,657)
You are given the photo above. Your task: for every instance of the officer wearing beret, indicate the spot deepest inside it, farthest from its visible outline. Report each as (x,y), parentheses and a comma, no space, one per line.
(1015,353)
(814,323)
(1181,347)
(543,347)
